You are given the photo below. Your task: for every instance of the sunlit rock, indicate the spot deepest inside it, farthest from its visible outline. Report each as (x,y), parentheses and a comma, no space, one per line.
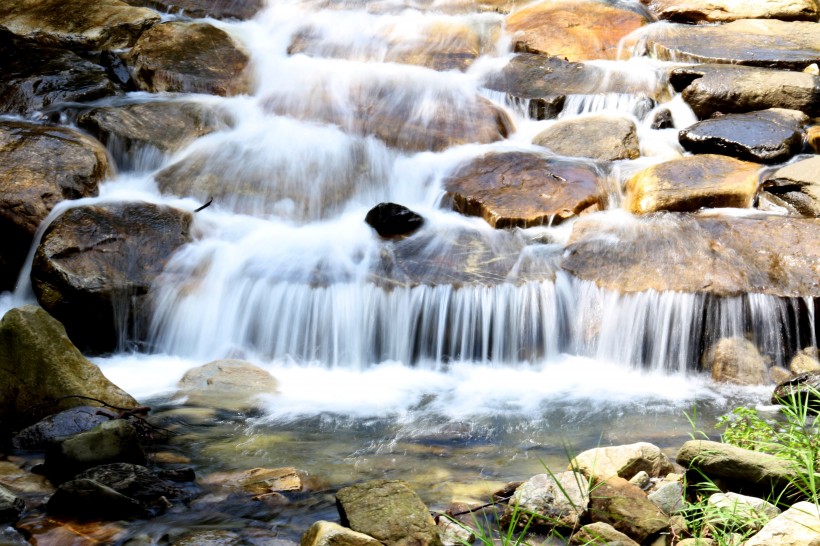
(669,495)
(736,360)
(327,533)
(77,24)
(807,360)
(719,11)
(189,58)
(626,508)
(765,136)
(690,183)
(801,389)
(756,42)
(523,189)
(798,184)
(601,136)
(95,266)
(798,525)
(218,9)
(549,501)
(596,533)
(730,89)
(625,461)
(226,384)
(576,31)
(751,512)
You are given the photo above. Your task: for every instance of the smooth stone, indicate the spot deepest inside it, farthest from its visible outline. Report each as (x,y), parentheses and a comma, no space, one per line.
(721,11)
(641,479)
(111,442)
(327,533)
(798,184)
(258,481)
(624,461)
(549,501)
(601,136)
(779,374)
(753,512)
(601,533)
(626,508)
(577,30)
(226,384)
(807,360)
(736,360)
(797,526)
(197,9)
(54,428)
(393,220)
(523,189)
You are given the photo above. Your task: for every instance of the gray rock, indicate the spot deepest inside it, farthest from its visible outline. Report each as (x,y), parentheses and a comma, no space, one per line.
(736,360)
(549,501)
(600,136)
(798,184)
(641,479)
(751,512)
(327,533)
(797,526)
(9,536)
(112,442)
(210,537)
(11,506)
(131,480)
(624,461)
(55,428)
(668,497)
(88,500)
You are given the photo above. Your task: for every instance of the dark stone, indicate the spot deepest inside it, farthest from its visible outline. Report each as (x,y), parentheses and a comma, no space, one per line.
(116,70)
(392,220)
(767,136)
(218,9)
(86,499)
(54,428)
(11,507)
(131,480)
(663,120)
(803,389)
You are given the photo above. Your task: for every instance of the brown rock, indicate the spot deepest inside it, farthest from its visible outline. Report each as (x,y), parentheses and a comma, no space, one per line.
(227,384)
(736,360)
(798,184)
(813,138)
(522,189)
(720,11)
(326,533)
(258,481)
(575,30)
(601,136)
(807,360)
(218,9)
(691,183)
(625,507)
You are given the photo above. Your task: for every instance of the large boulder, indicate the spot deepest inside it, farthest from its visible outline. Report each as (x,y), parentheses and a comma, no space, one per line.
(766,136)
(523,189)
(719,255)
(729,89)
(798,184)
(575,30)
(720,11)
(549,501)
(187,57)
(218,9)
(624,461)
(40,165)
(736,360)
(768,43)
(625,507)
(797,526)
(693,182)
(599,136)
(41,372)
(77,24)
(95,266)
(389,511)
(227,384)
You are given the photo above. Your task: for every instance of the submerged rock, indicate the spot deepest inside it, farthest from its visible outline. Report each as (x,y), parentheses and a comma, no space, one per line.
(736,360)
(798,184)
(602,136)
(226,384)
(719,11)
(218,9)
(259,481)
(392,220)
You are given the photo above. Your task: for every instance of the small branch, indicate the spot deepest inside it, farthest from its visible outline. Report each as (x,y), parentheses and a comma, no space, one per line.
(206,205)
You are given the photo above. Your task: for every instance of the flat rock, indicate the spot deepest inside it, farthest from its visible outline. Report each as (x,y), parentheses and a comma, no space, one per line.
(577,31)
(227,384)
(186,57)
(602,136)
(719,255)
(765,136)
(729,89)
(799,185)
(757,42)
(258,481)
(327,533)
(624,461)
(131,480)
(721,11)
(797,526)
(691,183)
(523,189)
(218,9)
(625,507)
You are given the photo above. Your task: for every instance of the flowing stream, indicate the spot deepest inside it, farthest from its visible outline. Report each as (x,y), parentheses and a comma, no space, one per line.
(485,365)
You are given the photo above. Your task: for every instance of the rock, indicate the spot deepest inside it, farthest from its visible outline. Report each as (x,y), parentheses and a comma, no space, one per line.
(39,367)
(95,266)
(750,512)
(226,384)
(799,185)
(743,468)
(767,43)
(779,374)
(130,131)
(454,533)
(210,537)
(549,501)
(600,136)
(186,57)
(25,483)
(197,9)
(11,506)
(76,24)
(36,78)
(327,533)
(624,461)
(807,360)
(696,542)
(625,507)
(730,89)
(736,360)
(389,511)
(111,442)
(641,479)
(33,185)
(392,220)
(601,533)
(258,481)
(693,182)
(813,138)
(668,497)
(523,189)
(577,31)
(719,255)
(131,480)
(52,429)
(766,136)
(88,500)
(11,537)
(797,526)
(803,386)
(720,11)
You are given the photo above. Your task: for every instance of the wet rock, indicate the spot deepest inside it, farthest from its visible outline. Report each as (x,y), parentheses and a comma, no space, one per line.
(728,89)
(389,511)
(86,499)
(797,526)
(718,255)
(36,78)
(601,533)
(218,9)
(798,184)
(392,220)
(742,468)
(576,31)
(327,533)
(95,266)
(54,428)
(210,537)
(523,189)
(625,507)
(226,384)
(76,24)
(750,512)
(768,43)
(807,360)
(736,360)
(802,388)
(691,183)
(258,481)
(454,534)
(189,58)
(40,165)
(549,501)
(11,506)
(601,136)
(24,483)
(813,138)
(719,11)
(39,367)
(766,136)
(624,461)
